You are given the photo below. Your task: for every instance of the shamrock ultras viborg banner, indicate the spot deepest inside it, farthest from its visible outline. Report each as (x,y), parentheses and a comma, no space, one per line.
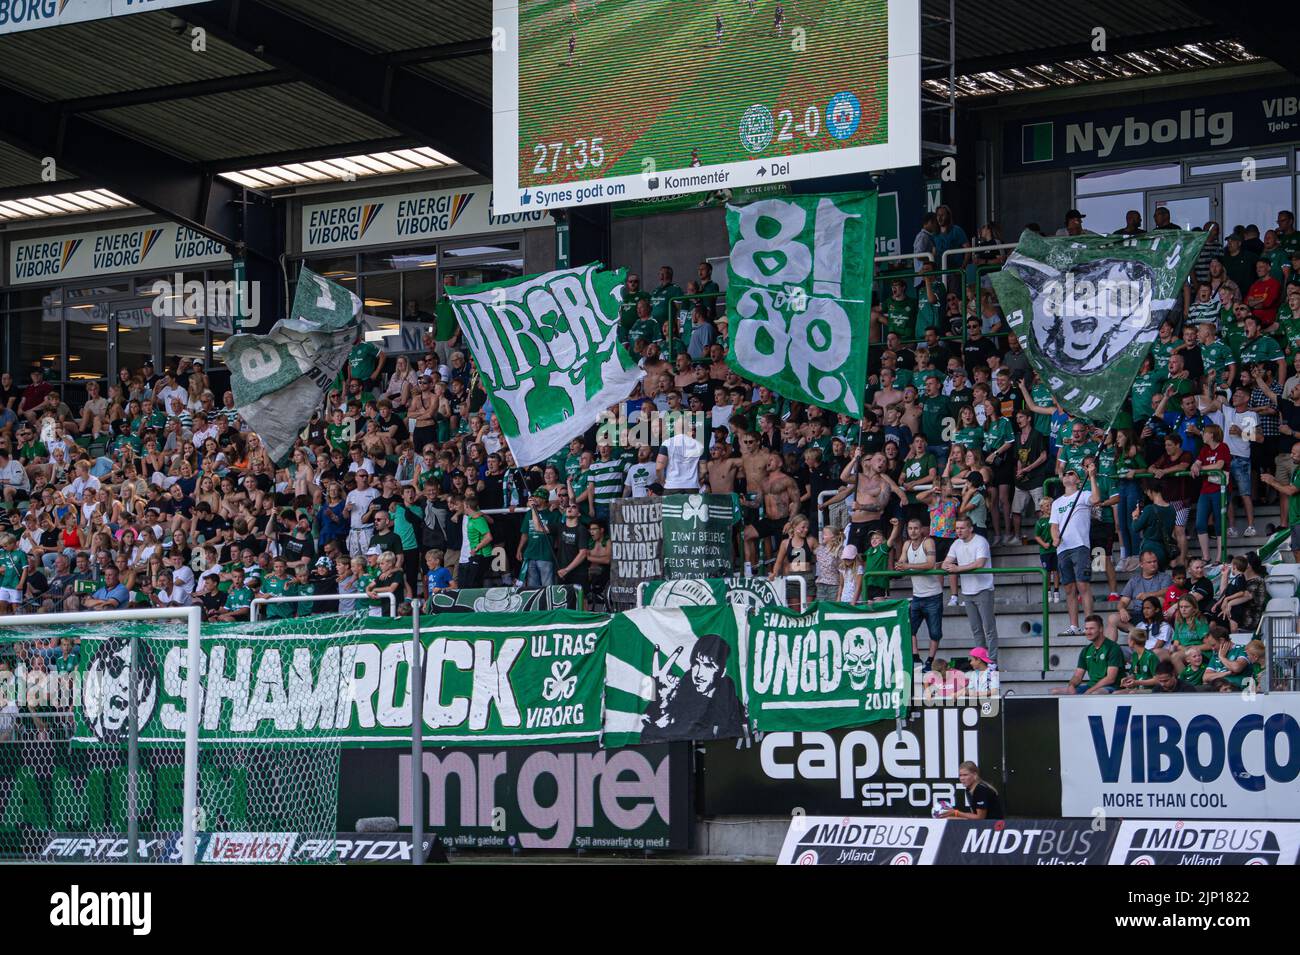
(799,296)
(547,351)
(1087,309)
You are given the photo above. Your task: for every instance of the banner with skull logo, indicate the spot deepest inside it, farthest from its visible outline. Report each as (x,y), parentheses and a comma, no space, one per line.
(1087,308)
(835,665)
(673,674)
(799,296)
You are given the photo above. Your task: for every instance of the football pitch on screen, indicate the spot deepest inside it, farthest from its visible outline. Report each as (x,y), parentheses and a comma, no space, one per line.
(607,84)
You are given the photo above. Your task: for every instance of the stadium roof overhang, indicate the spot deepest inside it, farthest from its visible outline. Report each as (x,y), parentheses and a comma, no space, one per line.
(129,106)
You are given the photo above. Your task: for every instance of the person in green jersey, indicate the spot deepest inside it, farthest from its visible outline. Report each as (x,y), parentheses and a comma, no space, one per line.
(632,294)
(365,361)
(1141,664)
(1193,668)
(938,422)
(1100,662)
(1258,348)
(239,599)
(1165,344)
(1290,492)
(969,434)
(477,547)
(1288,321)
(660,299)
(1046,547)
(704,282)
(278,583)
(900,311)
(1218,359)
(1227,663)
(13,564)
(645,328)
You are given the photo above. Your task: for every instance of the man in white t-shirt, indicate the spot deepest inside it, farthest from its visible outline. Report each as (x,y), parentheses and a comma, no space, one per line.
(1071,530)
(678,464)
(357,507)
(641,474)
(1240,430)
(917,554)
(969,554)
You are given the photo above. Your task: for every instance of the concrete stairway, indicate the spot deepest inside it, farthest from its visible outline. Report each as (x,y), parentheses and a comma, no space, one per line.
(1018,600)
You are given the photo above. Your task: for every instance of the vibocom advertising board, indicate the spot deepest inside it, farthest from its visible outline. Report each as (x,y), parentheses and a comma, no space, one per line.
(890,768)
(552,798)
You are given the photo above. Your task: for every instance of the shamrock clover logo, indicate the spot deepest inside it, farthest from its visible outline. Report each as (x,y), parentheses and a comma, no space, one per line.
(561,684)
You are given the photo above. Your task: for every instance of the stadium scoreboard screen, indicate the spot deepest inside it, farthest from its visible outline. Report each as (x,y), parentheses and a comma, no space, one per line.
(607,100)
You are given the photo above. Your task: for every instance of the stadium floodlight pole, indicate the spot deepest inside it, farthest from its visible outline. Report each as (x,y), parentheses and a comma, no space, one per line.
(193,617)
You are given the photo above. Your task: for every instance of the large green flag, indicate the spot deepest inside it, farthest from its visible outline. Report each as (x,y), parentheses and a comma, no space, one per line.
(833,665)
(490,680)
(280,378)
(1087,309)
(673,674)
(547,351)
(799,296)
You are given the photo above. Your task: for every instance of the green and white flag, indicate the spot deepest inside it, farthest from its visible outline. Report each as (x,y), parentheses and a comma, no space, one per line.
(490,680)
(547,351)
(750,593)
(280,378)
(835,665)
(673,674)
(1087,309)
(697,534)
(799,296)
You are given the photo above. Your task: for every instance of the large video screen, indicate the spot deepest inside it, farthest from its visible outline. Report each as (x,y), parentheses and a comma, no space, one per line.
(607,100)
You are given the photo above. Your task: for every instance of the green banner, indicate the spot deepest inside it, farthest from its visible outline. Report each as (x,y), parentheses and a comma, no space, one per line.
(506,600)
(280,378)
(673,675)
(547,352)
(799,296)
(491,680)
(836,665)
(751,593)
(697,534)
(1087,309)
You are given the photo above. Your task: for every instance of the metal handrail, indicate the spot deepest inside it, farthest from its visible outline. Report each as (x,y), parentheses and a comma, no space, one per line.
(971,250)
(995,571)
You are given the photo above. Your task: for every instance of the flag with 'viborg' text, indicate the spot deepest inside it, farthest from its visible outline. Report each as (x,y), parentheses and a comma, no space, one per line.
(547,351)
(1087,309)
(799,296)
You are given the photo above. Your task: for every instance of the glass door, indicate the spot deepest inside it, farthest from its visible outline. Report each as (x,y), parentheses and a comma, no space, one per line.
(131,336)
(1189,208)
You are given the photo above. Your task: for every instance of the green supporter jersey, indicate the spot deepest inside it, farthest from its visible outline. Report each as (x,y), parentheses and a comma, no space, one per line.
(1217,356)
(1214,664)
(627,311)
(1106,488)
(12,562)
(876,558)
(848,433)
(476,528)
(607,478)
(660,298)
(645,329)
(1204,313)
(1160,352)
(1042,396)
(919,377)
(971,437)
(336,435)
(1278,260)
(937,415)
(927,316)
(914,469)
(237,599)
(1106,462)
(1261,349)
(118,445)
(1190,636)
(1095,661)
(1144,391)
(35,449)
(1289,324)
(998,433)
(363,360)
(402,524)
(1293,502)
(538,545)
(1143,666)
(1193,676)
(1071,456)
(900,317)
(273,586)
(1043,531)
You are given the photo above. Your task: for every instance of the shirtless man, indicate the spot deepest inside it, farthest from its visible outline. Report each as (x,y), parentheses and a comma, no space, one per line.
(718,474)
(780,503)
(753,464)
(871,493)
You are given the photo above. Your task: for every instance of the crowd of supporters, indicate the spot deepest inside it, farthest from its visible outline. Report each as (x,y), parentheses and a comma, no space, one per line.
(153,492)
